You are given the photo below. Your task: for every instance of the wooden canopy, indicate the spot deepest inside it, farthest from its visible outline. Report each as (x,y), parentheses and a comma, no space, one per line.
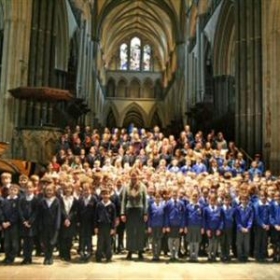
(46,94)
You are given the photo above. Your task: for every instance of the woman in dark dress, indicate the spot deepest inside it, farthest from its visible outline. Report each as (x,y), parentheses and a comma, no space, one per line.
(134,214)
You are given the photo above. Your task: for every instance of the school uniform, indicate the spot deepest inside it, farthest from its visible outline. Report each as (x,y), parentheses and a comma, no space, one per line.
(275,235)
(50,221)
(244,219)
(28,212)
(9,213)
(194,223)
(228,213)
(213,222)
(121,226)
(105,219)
(175,220)
(86,214)
(262,214)
(156,223)
(204,202)
(69,211)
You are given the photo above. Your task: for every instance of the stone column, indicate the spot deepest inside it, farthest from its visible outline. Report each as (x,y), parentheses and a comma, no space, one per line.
(17,25)
(248,118)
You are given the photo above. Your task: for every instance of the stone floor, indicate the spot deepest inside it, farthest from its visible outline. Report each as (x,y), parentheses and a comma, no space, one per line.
(120,268)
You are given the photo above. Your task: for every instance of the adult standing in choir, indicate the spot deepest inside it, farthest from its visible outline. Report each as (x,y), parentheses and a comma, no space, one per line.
(134,214)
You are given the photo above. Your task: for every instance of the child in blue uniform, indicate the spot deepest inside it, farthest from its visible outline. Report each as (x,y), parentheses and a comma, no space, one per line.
(244,222)
(262,225)
(50,220)
(28,210)
(275,226)
(213,224)
(174,222)
(194,226)
(156,224)
(69,212)
(228,213)
(104,227)
(9,218)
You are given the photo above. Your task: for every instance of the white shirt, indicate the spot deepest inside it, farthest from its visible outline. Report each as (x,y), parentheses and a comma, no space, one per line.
(68,202)
(49,201)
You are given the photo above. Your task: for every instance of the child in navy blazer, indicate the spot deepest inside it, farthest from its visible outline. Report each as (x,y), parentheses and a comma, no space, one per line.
(174,222)
(244,221)
(228,213)
(213,224)
(69,212)
(28,211)
(156,224)
(275,226)
(262,226)
(50,220)
(194,226)
(86,214)
(104,225)
(9,218)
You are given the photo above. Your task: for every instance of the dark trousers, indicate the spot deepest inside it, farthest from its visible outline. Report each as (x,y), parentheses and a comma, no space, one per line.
(28,242)
(65,247)
(48,249)
(260,250)
(226,242)
(85,245)
(104,248)
(243,245)
(11,242)
(120,236)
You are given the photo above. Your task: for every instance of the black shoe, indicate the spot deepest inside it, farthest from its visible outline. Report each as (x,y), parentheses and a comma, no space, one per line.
(129,256)
(46,261)
(50,261)
(140,256)
(26,261)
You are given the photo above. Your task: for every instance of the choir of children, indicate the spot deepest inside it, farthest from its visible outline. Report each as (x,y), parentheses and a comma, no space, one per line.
(59,216)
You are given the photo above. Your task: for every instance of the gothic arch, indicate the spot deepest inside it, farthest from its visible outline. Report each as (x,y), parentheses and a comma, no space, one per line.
(122,88)
(156,113)
(111,107)
(148,89)
(224,45)
(137,110)
(111,119)
(135,88)
(111,88)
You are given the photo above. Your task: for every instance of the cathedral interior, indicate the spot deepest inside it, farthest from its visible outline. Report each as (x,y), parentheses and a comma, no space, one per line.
(211,64)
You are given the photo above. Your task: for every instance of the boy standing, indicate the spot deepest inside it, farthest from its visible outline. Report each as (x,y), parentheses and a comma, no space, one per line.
(244,221)
(105,220)
(9,218)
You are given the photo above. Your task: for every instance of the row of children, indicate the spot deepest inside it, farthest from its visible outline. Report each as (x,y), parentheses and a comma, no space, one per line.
(56,220)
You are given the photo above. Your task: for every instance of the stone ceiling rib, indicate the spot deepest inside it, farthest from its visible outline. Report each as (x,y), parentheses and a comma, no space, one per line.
(153,20)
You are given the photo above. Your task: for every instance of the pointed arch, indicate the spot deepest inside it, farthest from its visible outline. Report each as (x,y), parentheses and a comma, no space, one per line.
(148,89)
(137,109)
(110,107)
(135,88)
(111,88)
(122,88)
(224,44)
(111,120)
(156,114)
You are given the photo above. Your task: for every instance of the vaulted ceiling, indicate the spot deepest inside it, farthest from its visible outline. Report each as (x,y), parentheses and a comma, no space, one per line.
(155,21)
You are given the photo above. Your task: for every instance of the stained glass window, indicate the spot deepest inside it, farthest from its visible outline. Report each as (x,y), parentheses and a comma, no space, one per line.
(123,57)
(147,58)
(135,54)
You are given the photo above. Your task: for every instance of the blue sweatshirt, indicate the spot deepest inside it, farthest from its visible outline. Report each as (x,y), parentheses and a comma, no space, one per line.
(213,219)
(228,216)
(275,214)
(244,217)
(194,215)
(262,213)
(174,215)
(156,214)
